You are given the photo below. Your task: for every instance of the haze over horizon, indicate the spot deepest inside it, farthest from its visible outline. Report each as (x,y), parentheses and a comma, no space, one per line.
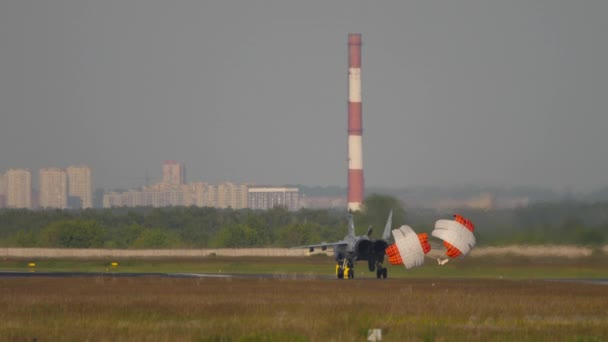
(497,93)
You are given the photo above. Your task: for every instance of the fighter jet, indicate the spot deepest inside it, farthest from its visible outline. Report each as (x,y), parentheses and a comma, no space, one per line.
(354,248)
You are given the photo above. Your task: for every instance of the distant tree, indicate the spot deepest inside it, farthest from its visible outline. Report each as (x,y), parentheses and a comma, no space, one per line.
(128,235)
(27,239)
(257,220)
(237,236)
(155,238)
(298,234)
(589,237)
(194,235)
(72,234)
(565,222)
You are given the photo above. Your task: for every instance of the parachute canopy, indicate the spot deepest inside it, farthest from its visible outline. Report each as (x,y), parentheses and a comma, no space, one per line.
(457,235)
(409,248)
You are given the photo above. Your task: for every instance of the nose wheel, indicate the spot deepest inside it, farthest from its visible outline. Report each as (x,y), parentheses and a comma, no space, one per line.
(345,269)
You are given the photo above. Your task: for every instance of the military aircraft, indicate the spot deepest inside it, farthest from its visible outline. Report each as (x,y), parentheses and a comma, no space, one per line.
(354,248)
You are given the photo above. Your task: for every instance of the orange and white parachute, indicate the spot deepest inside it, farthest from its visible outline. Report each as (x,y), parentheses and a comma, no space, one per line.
(409,248)
(457,235)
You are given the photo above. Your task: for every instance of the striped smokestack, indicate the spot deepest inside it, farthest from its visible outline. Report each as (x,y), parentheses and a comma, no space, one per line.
(355,126)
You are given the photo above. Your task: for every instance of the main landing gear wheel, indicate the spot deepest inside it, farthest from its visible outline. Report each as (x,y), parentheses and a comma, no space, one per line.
(381,273)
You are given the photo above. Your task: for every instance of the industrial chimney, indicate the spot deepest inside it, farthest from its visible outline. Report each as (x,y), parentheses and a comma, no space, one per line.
(355,125)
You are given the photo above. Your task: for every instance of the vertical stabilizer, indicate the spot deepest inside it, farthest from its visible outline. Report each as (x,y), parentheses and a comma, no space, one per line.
(387,228)
(351,225)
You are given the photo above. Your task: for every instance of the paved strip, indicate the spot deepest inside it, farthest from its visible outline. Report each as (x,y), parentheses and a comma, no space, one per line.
(600,281)
(19,274)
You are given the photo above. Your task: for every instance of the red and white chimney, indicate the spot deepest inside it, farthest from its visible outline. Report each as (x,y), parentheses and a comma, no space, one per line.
(355,125)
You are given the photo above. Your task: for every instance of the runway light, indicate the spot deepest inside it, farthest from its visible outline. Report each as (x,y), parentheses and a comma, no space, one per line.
(32,266)
(114,264)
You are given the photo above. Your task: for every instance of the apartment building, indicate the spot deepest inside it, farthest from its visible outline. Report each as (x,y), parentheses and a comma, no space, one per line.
(53,188)
(198,194)
(80,187)
(269,197)
(18,188)
(174,173)
(231,195)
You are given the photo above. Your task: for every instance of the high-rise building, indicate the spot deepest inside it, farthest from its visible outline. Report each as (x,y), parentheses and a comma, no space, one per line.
(112,199)
(18,185)
(80,187)
(53,188)
(242,196)
(174,173)
(230,195)
(199,194)
(210,196)
(267,198)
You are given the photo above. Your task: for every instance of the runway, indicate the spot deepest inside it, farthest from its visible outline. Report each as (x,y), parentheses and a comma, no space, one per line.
(23,274)
(12,274)
(600,281)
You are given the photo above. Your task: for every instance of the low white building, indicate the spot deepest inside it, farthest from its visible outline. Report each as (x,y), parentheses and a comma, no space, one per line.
(269,197)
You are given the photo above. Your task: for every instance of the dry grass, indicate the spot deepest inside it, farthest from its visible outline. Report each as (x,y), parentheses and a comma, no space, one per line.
(235,309)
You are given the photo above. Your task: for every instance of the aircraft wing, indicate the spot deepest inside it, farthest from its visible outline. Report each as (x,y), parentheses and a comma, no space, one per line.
(323,245)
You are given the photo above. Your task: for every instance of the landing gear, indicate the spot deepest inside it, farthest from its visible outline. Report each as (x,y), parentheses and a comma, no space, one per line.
(339,272)
(345,269)
(381,273)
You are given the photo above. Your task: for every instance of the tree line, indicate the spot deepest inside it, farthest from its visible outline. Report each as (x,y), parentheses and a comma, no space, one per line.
(192,227)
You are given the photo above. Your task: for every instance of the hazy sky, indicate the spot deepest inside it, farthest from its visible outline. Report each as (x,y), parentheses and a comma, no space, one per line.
(454,92)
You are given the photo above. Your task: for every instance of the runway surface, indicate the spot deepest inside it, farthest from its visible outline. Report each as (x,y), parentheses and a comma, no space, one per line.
(20,274)
(600,281)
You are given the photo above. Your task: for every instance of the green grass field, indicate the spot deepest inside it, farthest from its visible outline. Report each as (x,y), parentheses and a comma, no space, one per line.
(500,299)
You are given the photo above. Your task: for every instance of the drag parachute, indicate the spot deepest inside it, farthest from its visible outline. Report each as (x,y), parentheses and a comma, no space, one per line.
(409,248)
(457,235)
